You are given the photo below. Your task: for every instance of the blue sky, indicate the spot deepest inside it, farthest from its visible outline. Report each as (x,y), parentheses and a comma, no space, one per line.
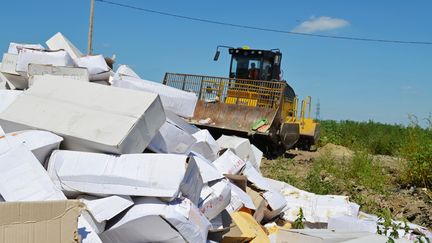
(353,80)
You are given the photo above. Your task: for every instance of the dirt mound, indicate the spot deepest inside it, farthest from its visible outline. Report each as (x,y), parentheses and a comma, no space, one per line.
(337,151)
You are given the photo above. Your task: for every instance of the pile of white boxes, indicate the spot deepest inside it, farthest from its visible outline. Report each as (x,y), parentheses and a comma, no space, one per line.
(85,162)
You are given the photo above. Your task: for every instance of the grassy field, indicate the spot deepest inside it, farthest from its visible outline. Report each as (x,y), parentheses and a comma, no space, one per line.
(388,167)
(412,143)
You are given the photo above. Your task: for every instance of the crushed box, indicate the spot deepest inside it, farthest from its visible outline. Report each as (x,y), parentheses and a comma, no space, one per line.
(90,117)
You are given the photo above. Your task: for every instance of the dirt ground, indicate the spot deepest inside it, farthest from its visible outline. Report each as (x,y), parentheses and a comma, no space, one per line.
(414,204)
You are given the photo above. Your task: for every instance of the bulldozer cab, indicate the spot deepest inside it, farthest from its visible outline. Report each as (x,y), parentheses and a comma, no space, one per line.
(254,64)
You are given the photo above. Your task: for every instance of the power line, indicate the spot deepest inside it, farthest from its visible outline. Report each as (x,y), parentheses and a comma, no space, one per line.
(262,28)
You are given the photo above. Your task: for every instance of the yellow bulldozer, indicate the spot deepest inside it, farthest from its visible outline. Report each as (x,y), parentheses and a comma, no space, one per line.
(254,101)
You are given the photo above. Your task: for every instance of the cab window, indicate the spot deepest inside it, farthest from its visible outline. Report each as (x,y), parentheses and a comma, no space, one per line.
(245,68)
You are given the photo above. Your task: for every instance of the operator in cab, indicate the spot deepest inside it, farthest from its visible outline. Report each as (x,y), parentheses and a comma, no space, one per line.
(253,72)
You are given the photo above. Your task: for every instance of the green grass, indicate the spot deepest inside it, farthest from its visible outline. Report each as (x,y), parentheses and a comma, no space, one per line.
(373,137)
(329,176)
(412,143)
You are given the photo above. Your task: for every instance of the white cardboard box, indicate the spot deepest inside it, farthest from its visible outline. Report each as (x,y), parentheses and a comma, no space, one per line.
(3,80)
(9,63)
(55,58)
(206,145)
(96,66)
(239,198)
(89,229)
(240,146)
(349,223)
(59,41)
(103,209)
(172,139)
(90,117)
(8,69)
(22,178)
(37,71)
(14,48)
(152,175)
(180,122)
(216,196)
(317,236)
(258,156)
(376,239)
(316,208)
(229,163)
(178,101)
(40,143)
(207,170)
(274,199)
(151,220)
(125,70)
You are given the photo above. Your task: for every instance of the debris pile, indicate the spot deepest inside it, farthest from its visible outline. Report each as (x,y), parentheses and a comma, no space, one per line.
(85,162)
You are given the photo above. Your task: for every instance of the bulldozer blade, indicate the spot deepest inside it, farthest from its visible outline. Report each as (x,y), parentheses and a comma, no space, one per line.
(236,118)
(289,134)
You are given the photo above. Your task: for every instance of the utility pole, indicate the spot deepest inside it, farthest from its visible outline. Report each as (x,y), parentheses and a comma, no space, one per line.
(318,111)
(90,33)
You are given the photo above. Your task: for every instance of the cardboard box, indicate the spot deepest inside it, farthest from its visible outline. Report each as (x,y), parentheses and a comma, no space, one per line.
(223,225)
(152,175)
(96,66)
(9,63)
(316,208)
(258,156)
(239,199)
(31,222)
(275,201)
(240,146)
(349,223)
(376,239)
(178,101)
(238,180)
(229,163)
(180,122)
(207,170)
(38,71)
(40,143)
(59,41)
(206,145)
(90,117)
(89,228)
(151,220)
(14,48)
(88,221)
(3,81)
(7,97)
(125,70)
(55,58)
(215,196)
(106,208)
(248,228)
(23,178)
(259,202)
(8,69)
(317,235)
(171,139)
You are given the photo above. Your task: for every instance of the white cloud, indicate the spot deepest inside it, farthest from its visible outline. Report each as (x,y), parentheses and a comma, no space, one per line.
(322,23)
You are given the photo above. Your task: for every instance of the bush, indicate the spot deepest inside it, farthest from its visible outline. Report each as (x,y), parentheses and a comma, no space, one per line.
(417,150)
